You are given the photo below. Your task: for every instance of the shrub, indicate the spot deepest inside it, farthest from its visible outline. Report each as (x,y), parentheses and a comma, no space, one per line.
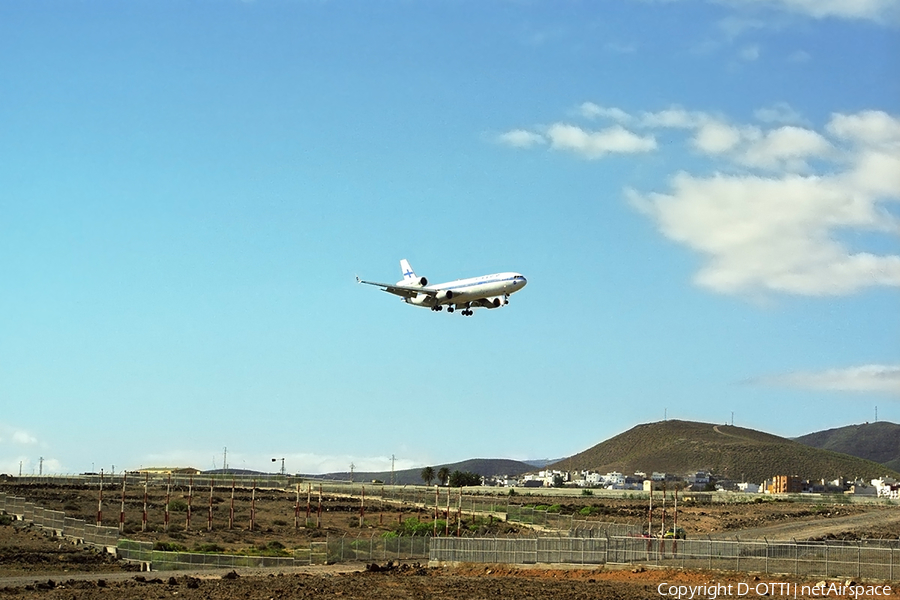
(587,493)
(169,547)
(412,526)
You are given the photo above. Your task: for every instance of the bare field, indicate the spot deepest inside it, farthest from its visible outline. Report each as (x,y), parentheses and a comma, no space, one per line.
(218,522)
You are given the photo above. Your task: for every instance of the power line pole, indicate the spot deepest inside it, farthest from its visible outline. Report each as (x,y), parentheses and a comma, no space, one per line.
(393,458)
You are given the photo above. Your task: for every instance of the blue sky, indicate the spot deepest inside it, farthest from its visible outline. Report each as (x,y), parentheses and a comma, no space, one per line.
(703,196)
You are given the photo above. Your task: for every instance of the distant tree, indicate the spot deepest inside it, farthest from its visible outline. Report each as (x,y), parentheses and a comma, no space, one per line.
(427,475)
(460,479)
(443,475)
(558,481)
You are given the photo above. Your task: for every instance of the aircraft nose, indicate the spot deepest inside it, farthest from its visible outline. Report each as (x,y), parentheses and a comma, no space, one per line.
(521,281)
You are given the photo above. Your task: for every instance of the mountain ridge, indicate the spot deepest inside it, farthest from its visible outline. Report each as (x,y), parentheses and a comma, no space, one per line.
(878,441)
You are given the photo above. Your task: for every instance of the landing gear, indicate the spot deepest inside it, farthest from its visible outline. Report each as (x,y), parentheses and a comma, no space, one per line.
(450,309)
(467,312)
(437,308)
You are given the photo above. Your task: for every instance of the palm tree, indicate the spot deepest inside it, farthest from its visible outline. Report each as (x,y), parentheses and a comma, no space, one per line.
(427,475)
(443,475)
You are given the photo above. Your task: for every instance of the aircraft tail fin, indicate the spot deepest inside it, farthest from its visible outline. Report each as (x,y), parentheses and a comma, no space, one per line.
(407,271)
(409,276)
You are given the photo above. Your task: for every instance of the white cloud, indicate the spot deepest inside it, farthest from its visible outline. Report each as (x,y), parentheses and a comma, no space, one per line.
(520,138)
(596,144)
(880,11)
(593,111)
(785,148)
(867,378)
(716,137)
(874,10)
(868,127)
(799,56)
(765,234)
(15,436)
(749,53)
(24,438)
(674,118)
(775,216)
(780,112)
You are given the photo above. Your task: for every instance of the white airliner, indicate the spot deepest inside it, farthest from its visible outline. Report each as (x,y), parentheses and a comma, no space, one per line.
(488,291)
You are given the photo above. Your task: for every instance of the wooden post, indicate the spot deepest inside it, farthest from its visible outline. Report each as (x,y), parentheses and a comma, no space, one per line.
(168,496)
(675,524)
(122,510)
(297,508)
(436,503)
(209,517)
(253,506)
(459,512)
(447,514)
(362,507)
(100,502)
(650,522)
(187,521)
(144,516)
(319,512)
(231,512)
(308,495)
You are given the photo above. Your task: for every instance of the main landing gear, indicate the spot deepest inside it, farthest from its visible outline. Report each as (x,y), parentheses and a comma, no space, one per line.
(450,308)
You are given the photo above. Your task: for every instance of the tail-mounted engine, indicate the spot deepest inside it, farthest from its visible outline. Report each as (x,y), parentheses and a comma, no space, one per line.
(413,282)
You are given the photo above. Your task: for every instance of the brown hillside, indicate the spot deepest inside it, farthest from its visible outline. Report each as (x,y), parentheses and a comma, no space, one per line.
(682,447)
(878,441)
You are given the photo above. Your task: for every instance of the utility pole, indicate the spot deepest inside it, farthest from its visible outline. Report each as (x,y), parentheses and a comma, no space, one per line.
(393,458)
(41,468)
(352,466)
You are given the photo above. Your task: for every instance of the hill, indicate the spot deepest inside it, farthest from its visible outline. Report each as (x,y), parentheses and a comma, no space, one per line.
(486,467)
(736,453)
(879,442)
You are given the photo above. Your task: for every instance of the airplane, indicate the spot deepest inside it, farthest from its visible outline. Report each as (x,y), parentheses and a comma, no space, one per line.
(487,291)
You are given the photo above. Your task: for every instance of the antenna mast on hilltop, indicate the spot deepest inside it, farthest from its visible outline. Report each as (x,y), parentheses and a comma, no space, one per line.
(876,413)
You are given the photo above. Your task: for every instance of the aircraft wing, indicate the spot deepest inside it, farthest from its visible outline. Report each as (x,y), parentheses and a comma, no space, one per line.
(400,290)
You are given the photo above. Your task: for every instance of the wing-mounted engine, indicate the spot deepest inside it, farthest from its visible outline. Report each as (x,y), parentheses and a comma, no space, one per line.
(444,296)
(495,302)
(421,300)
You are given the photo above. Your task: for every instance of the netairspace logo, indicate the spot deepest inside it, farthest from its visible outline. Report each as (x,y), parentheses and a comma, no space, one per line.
(772,588)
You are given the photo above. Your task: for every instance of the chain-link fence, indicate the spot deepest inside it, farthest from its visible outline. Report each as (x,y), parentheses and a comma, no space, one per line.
(331,550)
(807,559)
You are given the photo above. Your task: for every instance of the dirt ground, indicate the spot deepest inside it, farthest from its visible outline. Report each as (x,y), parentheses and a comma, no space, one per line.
(275,511)
(34,564)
